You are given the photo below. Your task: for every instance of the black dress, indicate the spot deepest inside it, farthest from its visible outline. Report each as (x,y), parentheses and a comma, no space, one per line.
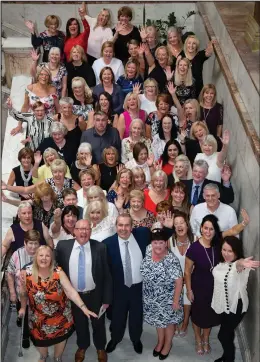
(197,69)
(184,92)
(213,117)
(120,45)
(107,176)
(84,70)
(159,75)
(73,136)
(47,42)
(19,181)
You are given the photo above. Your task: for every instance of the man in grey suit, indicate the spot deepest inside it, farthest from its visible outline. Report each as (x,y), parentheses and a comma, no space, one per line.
(85,263)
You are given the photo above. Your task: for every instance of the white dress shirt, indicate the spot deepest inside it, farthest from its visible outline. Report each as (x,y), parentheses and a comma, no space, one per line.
(236,288)
(226,215)
(135,255)
(73,267)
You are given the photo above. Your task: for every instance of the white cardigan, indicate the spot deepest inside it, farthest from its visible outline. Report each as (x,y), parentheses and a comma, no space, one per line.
(226,301)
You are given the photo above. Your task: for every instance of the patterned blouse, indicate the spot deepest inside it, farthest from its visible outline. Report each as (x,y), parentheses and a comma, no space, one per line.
(48,42)
(111,197)
(154,122)
(57,79)
(68,184)
(47,101)
(148,221)
(82,110)
(44,216)
(127,148)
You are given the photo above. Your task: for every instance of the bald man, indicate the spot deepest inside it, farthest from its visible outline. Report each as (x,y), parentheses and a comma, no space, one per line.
(85,262)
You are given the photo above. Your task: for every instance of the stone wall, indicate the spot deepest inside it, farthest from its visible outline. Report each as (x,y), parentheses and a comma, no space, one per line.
(245,181)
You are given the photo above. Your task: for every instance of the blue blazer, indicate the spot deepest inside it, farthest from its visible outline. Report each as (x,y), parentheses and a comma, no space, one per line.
(141,235)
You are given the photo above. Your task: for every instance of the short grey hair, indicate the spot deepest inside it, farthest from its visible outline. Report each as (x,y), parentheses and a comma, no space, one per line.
(211,186)
(58,127)
(85,146)
(53,49)
(24,204)
(211,141)
(202,164)
(66,100)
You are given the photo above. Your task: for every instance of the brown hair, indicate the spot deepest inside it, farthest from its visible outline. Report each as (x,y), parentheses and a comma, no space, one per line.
(43,189)
(163,97)
(107,44)
(90,171)
(125,11)
(33,235)
(138,147)
(204,89)
(102,72)
(185,204)
(24,152)
(106,150)
(164,206)
(52,20)
(37,104)
(186,219)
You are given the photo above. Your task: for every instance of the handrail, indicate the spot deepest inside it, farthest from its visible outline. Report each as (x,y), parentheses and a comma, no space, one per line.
(235,94)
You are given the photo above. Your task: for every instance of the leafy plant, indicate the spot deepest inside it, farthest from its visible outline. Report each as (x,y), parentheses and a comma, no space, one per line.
(164,25)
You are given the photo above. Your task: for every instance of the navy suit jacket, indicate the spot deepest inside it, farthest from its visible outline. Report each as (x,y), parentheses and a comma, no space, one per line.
(143,238)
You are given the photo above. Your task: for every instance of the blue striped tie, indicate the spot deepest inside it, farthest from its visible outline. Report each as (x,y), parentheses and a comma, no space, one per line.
(81,269)
(195,196)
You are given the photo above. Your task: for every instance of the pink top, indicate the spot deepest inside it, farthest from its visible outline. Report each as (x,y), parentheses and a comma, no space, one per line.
(128,121)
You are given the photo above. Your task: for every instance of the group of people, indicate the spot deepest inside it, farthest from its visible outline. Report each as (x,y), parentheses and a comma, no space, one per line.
(124,193)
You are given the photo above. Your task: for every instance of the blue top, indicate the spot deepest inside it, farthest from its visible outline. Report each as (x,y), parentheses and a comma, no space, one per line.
(117,97)
(127,84)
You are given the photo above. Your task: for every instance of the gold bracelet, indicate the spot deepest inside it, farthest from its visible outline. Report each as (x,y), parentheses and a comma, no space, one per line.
(82,306)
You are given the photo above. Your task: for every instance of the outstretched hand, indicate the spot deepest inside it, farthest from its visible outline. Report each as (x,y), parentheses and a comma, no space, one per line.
(250,264)
(245,216)
(30,25)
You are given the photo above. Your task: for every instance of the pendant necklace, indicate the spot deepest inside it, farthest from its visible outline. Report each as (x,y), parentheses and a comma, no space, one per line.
(206,116)
(179,243)
(213,259)
(25,179)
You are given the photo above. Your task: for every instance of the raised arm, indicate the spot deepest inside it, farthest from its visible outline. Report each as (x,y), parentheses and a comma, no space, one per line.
(56,225)
(35,57)
(235,230)
(223,153)
(47,236)
(121,125)
(18,189)
(172,91)
(73,295)
(37,161)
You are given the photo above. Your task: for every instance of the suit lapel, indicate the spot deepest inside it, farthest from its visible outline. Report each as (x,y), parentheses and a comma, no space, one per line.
(68,254)
(118,254)
(94,258)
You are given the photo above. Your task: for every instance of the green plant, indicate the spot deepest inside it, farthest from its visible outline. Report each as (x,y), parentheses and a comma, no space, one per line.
(164,25)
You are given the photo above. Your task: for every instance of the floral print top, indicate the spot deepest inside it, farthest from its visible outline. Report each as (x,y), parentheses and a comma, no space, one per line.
(47,101)
(57,80)
(147,222)
(68,184)
(127,148)
(50,315)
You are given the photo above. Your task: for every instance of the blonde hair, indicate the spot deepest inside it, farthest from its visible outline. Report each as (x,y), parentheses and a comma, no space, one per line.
(163,47)
(135,96)
(138,194)
(177,78)
(35,267)
(79,81)
(108,24)
(186,161)
(195,126)
(204,89)
(139,171)
(39,69)
(136,63)
(49,151)
(52,20)
(58,165)
(96,191)
(106,150)
(186,42)
(159,173)
(141,123)
(80,50)
(94,206)
(211,141)
(151,81)
(195,104)
(116,184)
(107,44)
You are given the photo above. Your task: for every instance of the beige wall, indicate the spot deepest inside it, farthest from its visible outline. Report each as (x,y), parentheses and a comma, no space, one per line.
(245,181)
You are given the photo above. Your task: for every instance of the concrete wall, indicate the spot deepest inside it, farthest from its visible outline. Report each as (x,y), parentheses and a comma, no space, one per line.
(245,181)
(16,13)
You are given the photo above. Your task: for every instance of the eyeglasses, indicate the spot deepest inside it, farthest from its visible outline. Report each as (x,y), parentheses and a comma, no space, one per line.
(82,229)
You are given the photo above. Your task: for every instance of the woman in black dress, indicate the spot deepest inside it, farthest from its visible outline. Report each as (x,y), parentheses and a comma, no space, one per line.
(211,111)
(79,67)
(123,32)
(22,175)
(185,86)
(109,168)
(82,96)
(197,58)
(104,103)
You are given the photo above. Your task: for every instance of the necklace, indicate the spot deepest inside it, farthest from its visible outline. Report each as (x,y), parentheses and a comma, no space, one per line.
(179,243)
(206,116)
(213,259)
(25,179)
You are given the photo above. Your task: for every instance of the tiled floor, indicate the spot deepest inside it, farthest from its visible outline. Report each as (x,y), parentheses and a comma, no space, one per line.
(182,350)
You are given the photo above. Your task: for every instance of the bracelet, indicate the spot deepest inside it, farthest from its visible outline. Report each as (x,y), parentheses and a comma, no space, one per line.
(188,291)
(82,306)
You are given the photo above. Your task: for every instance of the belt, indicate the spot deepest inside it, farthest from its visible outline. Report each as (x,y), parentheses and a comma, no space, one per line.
(87,292)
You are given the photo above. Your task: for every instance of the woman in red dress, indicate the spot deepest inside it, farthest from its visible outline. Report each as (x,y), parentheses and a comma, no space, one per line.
(48,291)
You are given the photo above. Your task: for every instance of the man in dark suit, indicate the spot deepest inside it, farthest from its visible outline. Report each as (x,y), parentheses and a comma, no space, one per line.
(85,263)
(196,185)
(126,250)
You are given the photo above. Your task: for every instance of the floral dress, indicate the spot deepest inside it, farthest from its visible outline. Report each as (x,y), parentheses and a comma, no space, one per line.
(50,318)
(68,184)
(47,101)
(57,80)
(159,288)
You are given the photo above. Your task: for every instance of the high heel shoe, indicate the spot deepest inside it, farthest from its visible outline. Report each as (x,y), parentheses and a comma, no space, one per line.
(207,348)
(156,353)
(164,356)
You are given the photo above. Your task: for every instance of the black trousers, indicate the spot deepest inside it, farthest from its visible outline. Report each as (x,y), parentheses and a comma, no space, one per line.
(226,334)
(127,302)
(26,331)
(82,325)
